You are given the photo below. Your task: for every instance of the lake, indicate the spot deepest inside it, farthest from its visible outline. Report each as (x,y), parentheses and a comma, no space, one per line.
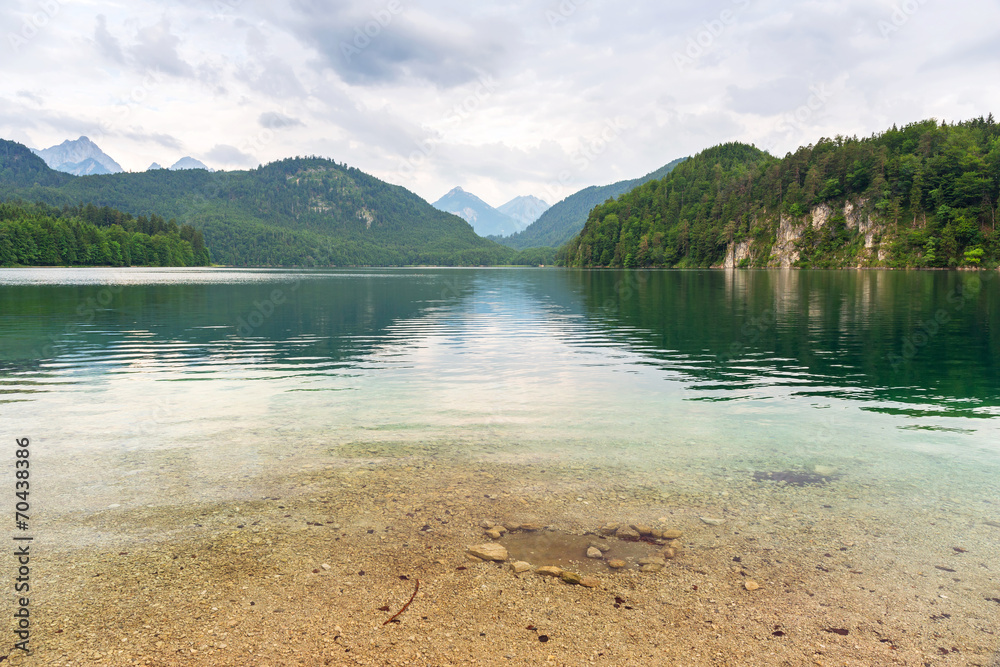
(864,400)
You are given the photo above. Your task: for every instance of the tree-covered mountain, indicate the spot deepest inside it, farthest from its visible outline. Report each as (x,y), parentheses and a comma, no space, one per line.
(21,168)
(299,211)
(40,235)
(924,195)
(563,221)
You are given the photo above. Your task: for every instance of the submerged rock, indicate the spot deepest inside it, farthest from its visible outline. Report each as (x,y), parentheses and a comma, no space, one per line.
(492,551)
(609,529)
(616,564)
(712,522)
(652,564)
(594,552)
(570,577)
(549,571)
(521,566)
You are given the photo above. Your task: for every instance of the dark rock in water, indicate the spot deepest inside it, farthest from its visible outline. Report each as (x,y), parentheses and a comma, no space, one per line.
(793,477)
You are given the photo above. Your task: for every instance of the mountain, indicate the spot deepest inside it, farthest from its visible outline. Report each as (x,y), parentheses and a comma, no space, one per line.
(925,195)
(80,158)
(486,220)
(89,167)
(21,168)
(565,220)
(303,211)
(524,210)
(188,163)
(154,167)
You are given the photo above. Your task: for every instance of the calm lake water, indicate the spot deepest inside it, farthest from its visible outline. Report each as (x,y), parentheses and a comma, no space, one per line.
(883,374)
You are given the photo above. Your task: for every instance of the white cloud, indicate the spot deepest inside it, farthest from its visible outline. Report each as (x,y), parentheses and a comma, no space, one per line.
(228,156)
(274,120)
(261,81)
(156,49)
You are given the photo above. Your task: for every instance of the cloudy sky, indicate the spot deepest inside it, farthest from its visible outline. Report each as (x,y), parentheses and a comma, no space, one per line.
(538,97)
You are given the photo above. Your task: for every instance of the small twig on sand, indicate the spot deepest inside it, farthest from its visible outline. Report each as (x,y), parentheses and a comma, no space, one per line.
(405,606)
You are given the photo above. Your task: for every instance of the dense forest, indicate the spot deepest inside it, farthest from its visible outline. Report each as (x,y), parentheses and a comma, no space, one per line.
(563,221)
(300,211)
(40,235)
(931,189)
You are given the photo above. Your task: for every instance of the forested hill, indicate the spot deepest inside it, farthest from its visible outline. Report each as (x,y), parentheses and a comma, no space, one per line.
(300,211)
(563,221)
(925,195)
(39,235)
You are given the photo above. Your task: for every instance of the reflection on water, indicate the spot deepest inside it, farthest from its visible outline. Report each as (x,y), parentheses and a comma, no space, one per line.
(920,338)
(804,366)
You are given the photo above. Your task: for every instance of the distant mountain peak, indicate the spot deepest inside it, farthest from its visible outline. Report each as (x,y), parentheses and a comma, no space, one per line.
(189,163)
(485,220)
(155,166)
(525,209)
(81,157)
(565,220)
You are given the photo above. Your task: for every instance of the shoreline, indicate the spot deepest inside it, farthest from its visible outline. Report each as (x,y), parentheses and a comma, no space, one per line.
(301,573)
(969,269)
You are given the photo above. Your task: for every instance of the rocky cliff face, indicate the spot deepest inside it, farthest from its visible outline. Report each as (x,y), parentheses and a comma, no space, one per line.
(737,254)
(789,235)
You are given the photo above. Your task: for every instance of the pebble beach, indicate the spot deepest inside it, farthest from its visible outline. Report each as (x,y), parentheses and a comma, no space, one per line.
(414,559)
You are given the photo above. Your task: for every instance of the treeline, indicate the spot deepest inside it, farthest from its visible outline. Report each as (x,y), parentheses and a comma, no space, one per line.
(933,190)
(42,235)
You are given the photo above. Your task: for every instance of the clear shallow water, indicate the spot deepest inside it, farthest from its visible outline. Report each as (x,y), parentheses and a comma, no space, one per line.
(224,374)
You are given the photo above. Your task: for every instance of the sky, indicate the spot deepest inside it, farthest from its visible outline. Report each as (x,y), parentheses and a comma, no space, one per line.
(504,99)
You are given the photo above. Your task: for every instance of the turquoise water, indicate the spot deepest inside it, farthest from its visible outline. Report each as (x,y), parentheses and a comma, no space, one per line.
(880,373)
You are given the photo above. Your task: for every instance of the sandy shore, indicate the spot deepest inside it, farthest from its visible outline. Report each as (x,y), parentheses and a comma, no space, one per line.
(308,567)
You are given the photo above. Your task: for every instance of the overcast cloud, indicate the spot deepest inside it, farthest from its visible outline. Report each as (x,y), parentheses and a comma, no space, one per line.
(502,98)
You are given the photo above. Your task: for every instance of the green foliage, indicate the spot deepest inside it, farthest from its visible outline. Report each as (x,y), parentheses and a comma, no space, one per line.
(535,257)
(676,221)
(974,256)
(933,191)
(22,168)
(300,211)
(39,235)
